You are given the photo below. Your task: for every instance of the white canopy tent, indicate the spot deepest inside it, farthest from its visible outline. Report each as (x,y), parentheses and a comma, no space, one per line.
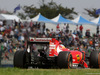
(86,24)
(40,18)
(80,20)
(96,21)
(60,19)
(9,17)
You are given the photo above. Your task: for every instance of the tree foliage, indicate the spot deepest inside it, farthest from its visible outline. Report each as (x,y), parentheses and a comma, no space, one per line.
(22,16)
(30,11)
(91,12)
(49,10)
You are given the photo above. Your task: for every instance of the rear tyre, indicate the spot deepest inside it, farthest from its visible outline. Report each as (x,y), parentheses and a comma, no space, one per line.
(64,60)
(95,59)
(20,59)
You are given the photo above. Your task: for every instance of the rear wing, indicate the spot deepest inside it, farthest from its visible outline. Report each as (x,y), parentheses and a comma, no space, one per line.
(39,40)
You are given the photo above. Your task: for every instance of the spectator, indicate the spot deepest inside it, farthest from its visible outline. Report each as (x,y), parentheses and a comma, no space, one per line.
(21,37)
(1,38)
(57,27)
(67,28)
(38,26)
(12,33)
(77,29)
(15,23)
(31,23)
(19,23)
(52,32)
(81,29)
(74,32)
(2,28)
(87,33)
(64,27)
(97,30)
(43,27)
(38,31)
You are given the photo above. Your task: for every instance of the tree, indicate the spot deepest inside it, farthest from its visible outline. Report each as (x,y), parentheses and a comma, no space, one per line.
(49,10)
(22,16)
(91,12)
(30,11)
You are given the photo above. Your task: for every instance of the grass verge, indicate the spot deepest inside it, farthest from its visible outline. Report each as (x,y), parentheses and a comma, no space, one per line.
(17,71)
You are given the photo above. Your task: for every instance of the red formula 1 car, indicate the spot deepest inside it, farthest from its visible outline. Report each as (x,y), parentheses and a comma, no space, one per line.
(50,53)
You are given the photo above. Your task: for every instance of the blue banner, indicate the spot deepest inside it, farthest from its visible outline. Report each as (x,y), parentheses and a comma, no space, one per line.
(17,8)
(97,12)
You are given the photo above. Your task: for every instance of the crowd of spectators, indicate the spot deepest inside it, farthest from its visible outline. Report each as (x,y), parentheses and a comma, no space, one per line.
(13,37)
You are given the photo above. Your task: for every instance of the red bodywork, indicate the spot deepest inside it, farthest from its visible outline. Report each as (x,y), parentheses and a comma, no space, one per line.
(55,47)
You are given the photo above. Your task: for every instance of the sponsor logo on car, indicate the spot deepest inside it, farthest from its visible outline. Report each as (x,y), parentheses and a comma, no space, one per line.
(78,57)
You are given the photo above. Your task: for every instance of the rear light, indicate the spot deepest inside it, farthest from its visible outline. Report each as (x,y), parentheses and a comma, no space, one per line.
(31,40)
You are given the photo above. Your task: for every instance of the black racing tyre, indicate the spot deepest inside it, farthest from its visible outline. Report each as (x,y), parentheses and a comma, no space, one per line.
(64,60)
(95,59)
(19,59)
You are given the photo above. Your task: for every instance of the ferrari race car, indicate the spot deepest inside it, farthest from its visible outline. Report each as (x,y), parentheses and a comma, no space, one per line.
(50,53)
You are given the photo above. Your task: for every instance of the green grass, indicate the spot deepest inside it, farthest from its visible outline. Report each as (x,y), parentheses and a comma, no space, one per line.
(16,71)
